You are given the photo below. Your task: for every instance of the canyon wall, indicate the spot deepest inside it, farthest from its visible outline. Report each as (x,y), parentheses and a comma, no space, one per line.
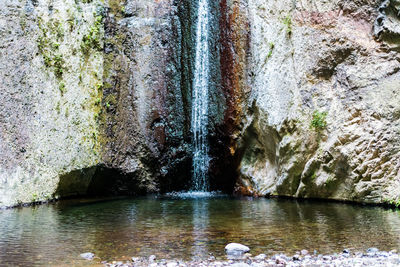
(51,72)
(323,118)
(96,98)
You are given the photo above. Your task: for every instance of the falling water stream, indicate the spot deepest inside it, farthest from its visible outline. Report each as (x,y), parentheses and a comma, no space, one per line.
(200,101)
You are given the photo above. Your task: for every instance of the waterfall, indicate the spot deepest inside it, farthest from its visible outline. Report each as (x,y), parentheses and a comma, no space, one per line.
(200,101)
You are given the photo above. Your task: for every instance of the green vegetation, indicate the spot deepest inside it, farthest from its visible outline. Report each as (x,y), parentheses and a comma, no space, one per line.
(61,86)
(48,43)
(314,176)
(271,49)
(318,122)
(58,109)
(58,64)
(35,197)
(93,39)
(392,202)
(287,21)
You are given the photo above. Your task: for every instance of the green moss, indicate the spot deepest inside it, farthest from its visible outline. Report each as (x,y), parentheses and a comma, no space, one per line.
(287,21)
(35,197)
(99,87)
(93,39)
(58,63)
(97,102)
(392,202)
(60,30)
(58,109)
(61,86)
(330,183)
(55,45)
(318,122)
(314,176)
(49,47)
(271,49)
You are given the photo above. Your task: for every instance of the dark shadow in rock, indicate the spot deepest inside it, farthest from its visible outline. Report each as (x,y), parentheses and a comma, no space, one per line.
(112,182)
(75,183)
(98,181)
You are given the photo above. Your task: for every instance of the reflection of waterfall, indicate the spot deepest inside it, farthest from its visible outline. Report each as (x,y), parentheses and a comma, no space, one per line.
(200,101)
(200,225)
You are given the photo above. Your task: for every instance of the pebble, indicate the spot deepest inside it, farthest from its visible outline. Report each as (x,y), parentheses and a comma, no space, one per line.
(327,258)
(87,255)
(240,264)
(304,252)
(280,260)
(247,255)
(236,249)
(260,257)
(372,250)
(380,258)
(172,264)
(296,257)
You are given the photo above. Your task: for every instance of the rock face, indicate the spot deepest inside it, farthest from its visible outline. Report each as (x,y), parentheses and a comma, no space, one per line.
(146,120)
(93,98)
(49,101)
(323,116)
(96,98)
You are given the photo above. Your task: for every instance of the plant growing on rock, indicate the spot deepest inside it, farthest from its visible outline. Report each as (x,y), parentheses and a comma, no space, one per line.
(287,21)
(271,49)
(93,38)
(49,45)
(318,122)
(61,86)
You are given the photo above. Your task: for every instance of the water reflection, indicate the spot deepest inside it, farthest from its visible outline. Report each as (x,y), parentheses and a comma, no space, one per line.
(200,225)
(188,228)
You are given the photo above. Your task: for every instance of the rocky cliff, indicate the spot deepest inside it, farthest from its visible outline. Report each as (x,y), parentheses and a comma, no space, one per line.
(96,98)
(51,72)
(323,116)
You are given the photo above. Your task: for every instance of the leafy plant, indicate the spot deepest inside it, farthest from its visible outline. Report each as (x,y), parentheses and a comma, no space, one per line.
(318,121)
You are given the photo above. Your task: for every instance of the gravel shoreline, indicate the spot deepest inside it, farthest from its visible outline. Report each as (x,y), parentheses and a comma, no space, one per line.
(372,257)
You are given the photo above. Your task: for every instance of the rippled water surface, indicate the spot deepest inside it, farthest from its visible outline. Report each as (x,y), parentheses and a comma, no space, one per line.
(170,227)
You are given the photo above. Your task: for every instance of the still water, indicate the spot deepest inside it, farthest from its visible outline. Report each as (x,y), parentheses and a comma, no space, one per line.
(186,228)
